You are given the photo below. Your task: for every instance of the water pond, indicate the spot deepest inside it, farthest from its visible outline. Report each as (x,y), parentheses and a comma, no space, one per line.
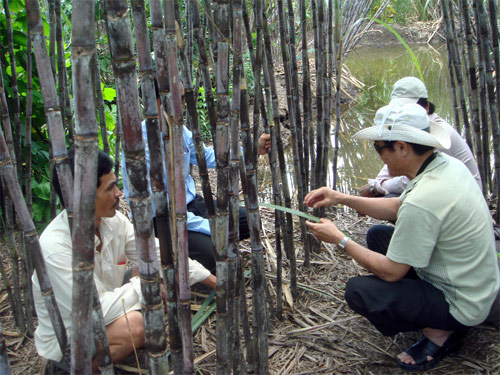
(378,69)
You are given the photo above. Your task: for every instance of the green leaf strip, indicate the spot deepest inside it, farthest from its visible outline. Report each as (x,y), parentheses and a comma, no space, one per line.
(291,211)
(197,318)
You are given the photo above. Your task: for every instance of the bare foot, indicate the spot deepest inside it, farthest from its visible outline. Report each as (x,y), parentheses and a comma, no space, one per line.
(437,336)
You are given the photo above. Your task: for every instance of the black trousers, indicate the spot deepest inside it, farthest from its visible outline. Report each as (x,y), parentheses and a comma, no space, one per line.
(200,245)
(409,304)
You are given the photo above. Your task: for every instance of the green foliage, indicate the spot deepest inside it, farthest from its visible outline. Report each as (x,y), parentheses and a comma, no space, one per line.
(203,121)
(40,183)
(404,11)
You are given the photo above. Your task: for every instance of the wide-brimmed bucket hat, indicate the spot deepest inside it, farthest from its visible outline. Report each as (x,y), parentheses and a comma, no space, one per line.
(408,90)
(408,123)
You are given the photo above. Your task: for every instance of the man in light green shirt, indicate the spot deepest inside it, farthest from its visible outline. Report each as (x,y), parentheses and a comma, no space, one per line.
(436,270)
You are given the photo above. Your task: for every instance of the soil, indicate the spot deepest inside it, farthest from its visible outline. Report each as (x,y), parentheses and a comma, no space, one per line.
(318,333)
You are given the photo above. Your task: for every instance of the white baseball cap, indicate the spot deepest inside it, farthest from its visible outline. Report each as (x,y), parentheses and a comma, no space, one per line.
(408,90)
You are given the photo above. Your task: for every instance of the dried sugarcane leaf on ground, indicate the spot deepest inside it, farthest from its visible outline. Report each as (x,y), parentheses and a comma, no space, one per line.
(321,335)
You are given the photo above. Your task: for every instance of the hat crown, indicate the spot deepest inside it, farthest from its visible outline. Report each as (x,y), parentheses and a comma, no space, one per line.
(409,87)
(409,114)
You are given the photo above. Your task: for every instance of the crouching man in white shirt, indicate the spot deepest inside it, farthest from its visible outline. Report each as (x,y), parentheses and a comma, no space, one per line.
(114,248)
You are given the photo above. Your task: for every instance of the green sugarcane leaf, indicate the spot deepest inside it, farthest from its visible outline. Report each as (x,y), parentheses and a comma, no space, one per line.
(198,318)
(203,317)
(291,211)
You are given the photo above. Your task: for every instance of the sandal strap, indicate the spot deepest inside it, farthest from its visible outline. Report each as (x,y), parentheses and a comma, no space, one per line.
(423,348)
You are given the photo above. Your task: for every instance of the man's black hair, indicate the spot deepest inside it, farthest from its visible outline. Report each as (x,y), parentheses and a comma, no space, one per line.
(424,102)
(418,149)
(104,166)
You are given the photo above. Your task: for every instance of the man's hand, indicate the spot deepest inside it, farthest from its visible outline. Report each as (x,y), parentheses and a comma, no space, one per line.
(322,197)
(365,191)
(264,144)
(325,231)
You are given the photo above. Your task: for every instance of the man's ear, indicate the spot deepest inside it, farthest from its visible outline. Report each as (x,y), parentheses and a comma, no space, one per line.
(402,147)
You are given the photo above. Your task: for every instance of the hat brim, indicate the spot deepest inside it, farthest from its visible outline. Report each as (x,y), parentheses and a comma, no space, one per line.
(437,137)
(401,101)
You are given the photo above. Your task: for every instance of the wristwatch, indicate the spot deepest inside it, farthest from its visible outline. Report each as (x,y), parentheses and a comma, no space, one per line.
(373,187)
(343,242)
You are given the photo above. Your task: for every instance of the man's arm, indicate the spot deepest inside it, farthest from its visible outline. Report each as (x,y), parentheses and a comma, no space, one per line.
(375,262)
(387,184)
(383,209)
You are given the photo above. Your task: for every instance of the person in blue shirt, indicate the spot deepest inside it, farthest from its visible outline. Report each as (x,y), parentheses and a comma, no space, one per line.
(200,245)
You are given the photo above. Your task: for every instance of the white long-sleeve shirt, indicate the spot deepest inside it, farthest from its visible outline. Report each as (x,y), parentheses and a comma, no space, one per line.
(458,149)
(110,265)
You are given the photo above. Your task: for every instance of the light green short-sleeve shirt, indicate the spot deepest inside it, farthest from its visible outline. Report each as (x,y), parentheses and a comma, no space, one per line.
(444,231)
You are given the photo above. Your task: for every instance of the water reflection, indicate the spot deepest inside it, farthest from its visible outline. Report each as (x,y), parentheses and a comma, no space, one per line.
(378,69)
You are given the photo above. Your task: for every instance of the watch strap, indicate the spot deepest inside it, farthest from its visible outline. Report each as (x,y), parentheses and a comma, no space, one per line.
(343,242)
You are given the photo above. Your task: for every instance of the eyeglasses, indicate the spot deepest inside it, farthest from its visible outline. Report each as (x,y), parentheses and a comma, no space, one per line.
(379,148)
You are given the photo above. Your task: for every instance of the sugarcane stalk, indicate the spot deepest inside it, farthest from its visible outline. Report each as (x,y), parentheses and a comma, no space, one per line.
(17,307)
(222,20)
(297,141)
(102,356)
(85,304)
(259,111)
(493,15)
(234,173)
(483,114)
(191,103)
(178,194)
(307,137)
(326,90)
(118,138)
(338,76)
(100,103)
(64,97)
(458,67)
(473,94)
(167,257)
(287,37)
(15,295)
(203,65)
(253,347)
(451,71)
(352,12)
(52,37)
(122,52)
(212,31)
(25,271)
(490,86)
(28,118)
(51,105)
(320,98)
(249,182)
(14,87)
(288,230)
(4,358)
(279,219)
(156,173)
(8,173)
